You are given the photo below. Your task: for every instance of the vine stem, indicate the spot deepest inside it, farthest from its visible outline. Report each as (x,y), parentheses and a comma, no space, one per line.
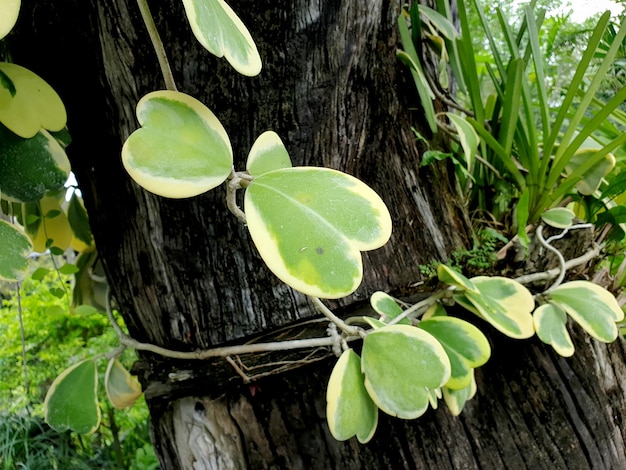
(424,304)
(236,180)
(127,341)
(347,329)
(22,336)
(546,244)
(157,44)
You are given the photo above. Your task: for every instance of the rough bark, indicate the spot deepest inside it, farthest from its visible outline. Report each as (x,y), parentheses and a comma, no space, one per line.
(185,275)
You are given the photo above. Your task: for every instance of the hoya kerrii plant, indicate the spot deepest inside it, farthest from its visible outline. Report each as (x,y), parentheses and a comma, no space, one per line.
(410,357)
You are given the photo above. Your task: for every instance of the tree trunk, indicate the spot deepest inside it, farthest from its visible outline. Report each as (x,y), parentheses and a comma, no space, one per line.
(185,275)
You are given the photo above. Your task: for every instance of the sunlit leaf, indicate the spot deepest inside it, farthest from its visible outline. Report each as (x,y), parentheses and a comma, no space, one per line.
(30,167)
(468,137)
(350,410)
(9,10)
(387,307)
(72,399)
(122,388)
(181,150)
(505,304)
(52,228)
(466,347)
(33,105)
(402,364)
(268,153)
(558,217)
(310,225)
(222,33)
(591,306)
(456,399)
(551,326)
(14,250)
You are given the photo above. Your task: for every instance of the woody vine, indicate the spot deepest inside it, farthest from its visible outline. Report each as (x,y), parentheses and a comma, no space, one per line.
(412,356)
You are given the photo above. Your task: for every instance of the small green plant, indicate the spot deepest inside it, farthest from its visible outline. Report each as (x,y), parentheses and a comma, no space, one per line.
(525,150)
(481,258)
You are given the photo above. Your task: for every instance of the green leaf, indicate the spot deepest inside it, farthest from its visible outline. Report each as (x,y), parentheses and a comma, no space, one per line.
(551,326)
(402,364)
(349,410)
(182,149)
(78,219)
(522,213)
(39,274)
(33,105)
(14,251)
(439,21)
(310,225)
(591,306)
(222,33)
(122,388)
(591,180)
(504,303)
(31,167)
(411,59)
(558,217)
(387,307)
(68,269)
(9,9)
(84,310)
(72,400)
(466,347)
(268,153)
(451,277)
(468,136)
(456,399)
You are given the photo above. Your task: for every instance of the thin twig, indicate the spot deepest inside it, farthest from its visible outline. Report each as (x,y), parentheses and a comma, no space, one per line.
(552,273)
(420,306)
(350,330)
(157,44)
(23,338)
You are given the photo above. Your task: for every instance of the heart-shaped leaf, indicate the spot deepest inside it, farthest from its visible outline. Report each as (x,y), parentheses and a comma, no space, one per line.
(267,154)
(591,306)
(222,33)
(504,303)
(122,388)
(466,347)
(550,324)
(451,277)
(9,9)
(82,239)
(456,399)
(402,364)
(72,400)
(31,167)
(387,307)
(14,250)
(182,149)
(558,217)
(350,410)
(28,103)
(310,225)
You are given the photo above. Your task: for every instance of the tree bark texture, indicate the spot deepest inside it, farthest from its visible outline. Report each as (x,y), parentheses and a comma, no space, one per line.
(186,276)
